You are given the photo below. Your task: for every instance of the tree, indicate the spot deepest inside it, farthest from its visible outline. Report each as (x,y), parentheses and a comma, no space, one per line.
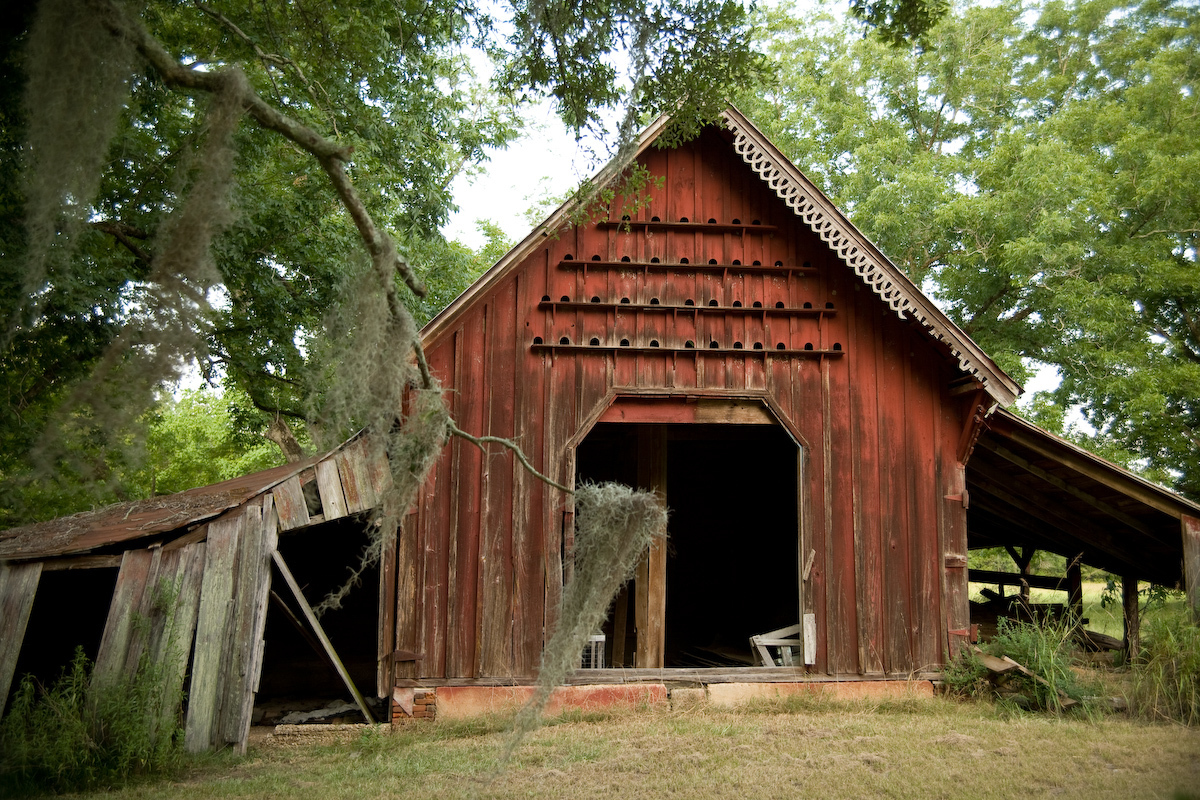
(244,185)
(1033,168)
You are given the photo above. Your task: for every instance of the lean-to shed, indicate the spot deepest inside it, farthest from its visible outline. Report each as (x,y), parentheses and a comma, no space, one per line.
(185,581)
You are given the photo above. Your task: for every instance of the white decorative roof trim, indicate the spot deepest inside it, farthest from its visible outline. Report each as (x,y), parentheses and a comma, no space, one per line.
(835,231)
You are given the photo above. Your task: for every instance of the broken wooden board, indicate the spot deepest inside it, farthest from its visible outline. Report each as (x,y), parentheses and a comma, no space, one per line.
(18,585)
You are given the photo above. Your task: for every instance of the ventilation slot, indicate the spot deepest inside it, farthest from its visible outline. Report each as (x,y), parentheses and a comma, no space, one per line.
(758,303)
(565,299)
(712,222)
(780,346)
(737,222)
(624,259)
(737,262)
(654,260)
(537,340)
(808,305)
(808,346)
(624,343)
(829,305)
(779,304)
(568,257)
(683,219)
(689,302)
(758,346)
(684,261)
(713,302)
(565,340)
(837,345)
(624,301)
(654,342)
(737,303)
(653,301)
(545,298)
(713,345)
(594,342)
(655,219)
(596,257)
(689,345)
(595,299)
(737,345)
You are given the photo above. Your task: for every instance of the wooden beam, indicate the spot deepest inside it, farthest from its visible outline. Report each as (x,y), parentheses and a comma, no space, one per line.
(1049,512)
(320,633)
(1013,579)
(1111,476)
(1075,588)
(81,562)
(1191,563)
(1070,489)
(1129,603)
(18,585)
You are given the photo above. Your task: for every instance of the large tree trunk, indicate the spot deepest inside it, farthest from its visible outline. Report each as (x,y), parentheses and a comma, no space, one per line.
(281,434)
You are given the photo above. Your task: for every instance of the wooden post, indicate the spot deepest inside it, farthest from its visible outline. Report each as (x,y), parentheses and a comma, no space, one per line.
(1075,589)
(1191,563)
(650,609)
(1129,602)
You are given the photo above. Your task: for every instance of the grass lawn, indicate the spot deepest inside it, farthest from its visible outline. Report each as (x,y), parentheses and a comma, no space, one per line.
(801,748)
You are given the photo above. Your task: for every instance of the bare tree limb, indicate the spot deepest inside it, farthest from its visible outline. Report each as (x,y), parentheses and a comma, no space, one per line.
(482,441)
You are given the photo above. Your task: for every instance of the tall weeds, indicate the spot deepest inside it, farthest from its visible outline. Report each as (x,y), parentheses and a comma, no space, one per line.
(73,736)
(1166,675)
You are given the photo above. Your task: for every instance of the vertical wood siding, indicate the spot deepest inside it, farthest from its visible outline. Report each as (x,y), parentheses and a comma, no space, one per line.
(876,421)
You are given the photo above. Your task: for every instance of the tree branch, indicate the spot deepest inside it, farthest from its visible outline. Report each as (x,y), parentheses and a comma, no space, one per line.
(481,441)
(329,154)
(125,234)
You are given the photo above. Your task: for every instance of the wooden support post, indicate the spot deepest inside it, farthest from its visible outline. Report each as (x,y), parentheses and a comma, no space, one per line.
(1075,589)
(651,590)
(620,625)
(1129,602)
(1191,563)
(320,632)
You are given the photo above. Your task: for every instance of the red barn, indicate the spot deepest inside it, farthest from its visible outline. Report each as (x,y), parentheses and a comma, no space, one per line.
(829,443)
(735,343)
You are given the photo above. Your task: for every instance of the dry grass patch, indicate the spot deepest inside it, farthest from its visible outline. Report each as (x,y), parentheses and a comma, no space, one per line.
(919,749)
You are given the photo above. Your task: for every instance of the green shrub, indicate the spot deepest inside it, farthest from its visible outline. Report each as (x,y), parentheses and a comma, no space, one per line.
(1166,676)
(74,736)
(1045,648)
(965,676)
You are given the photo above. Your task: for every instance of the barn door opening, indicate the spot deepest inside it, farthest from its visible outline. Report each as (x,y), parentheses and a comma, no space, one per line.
(731,567)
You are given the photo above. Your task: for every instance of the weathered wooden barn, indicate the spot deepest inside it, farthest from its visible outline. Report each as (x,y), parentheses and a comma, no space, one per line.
(731,340)
(829,443)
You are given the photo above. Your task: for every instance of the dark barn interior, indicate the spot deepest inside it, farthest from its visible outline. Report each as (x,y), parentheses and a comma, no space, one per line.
(732,491)
(294,665)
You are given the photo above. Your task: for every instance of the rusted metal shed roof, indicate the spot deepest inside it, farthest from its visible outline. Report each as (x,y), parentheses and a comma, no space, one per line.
(121,523)
(1031,488)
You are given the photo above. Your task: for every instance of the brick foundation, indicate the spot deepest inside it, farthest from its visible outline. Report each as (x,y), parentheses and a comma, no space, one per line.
(413,704)
(470,701)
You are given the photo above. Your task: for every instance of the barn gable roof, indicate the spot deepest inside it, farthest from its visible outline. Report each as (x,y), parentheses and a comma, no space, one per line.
(817,211)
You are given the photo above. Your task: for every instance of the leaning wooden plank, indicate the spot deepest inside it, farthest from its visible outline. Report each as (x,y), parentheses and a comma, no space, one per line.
(216,596)
(329,485)
(247,576)
(118,628)
(173,647)
(319,631)
(260,539)
(289,502)
(18,585)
